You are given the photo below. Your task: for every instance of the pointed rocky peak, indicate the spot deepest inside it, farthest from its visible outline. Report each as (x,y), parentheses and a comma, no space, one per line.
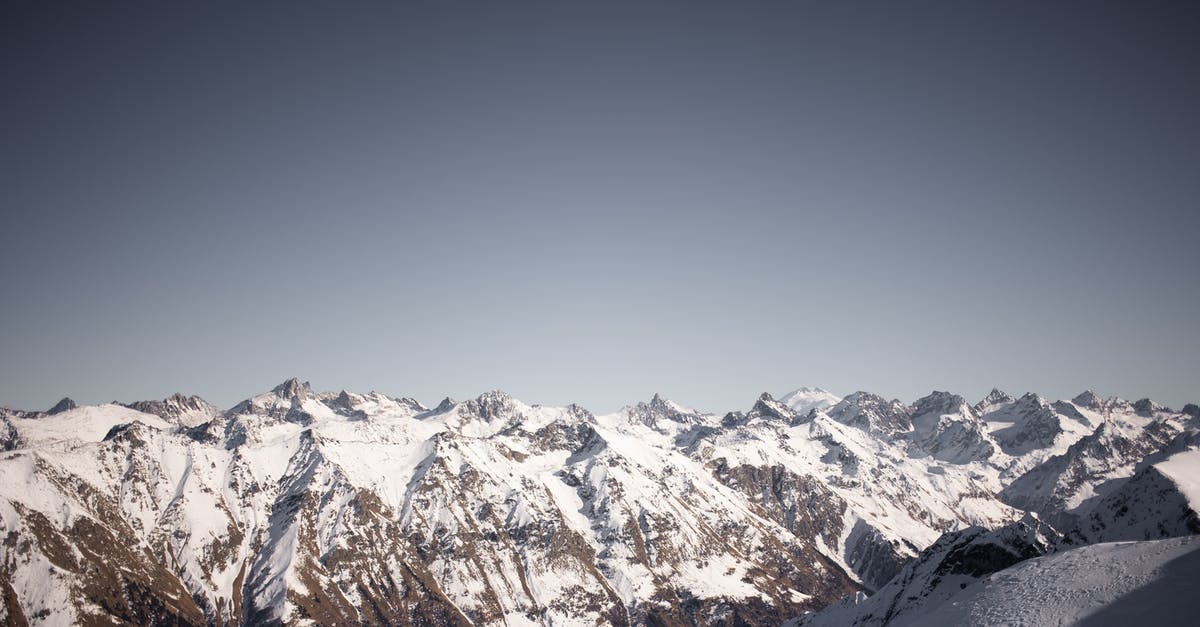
(579,413)
(343,400)
(1147,407)
(1031,401)
(768,408)
(66,404)
(1191,409)
(293,388)
(1031,398)
(997,396)
(446,405)
(994,399)
(345,404)
(734,419)
(659,408)
(1088,399)
(490,406)
(659,405)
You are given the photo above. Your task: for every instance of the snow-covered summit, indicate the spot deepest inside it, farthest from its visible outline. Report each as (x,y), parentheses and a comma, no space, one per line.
(805,399)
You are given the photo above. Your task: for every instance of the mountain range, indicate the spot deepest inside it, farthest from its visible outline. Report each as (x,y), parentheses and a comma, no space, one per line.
(304,507)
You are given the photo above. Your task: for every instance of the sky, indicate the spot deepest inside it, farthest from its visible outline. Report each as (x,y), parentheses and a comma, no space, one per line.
(593,202)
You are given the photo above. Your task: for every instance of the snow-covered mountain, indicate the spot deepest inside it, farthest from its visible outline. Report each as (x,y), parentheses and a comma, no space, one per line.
(803,400)
(305,507)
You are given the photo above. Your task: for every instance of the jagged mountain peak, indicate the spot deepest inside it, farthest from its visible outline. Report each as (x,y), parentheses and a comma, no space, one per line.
(943,402)
(446,405)
(994,399)
(767,407)
(293,388)
(66,404)
(493,405)
(872,412)
(947,427)
(1088,399)
(1032,399)
(177,408)
(997,396)
(660,408)
(1147,407)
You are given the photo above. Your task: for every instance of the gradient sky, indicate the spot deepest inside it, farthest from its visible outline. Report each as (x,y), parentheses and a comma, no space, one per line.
(592,202)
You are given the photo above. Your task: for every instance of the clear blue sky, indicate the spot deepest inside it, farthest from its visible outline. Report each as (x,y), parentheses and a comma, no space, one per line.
(593,202)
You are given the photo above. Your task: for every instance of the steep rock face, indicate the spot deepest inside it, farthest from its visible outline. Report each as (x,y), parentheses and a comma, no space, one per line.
(1160,501)
(875,557)
(802,505)
(9,438)
(955,561)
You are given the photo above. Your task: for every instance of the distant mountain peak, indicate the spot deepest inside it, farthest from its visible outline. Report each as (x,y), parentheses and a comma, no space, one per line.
(994,401)
(872,412)
(490,406)
(1087,399)
(768,407)
(660,408)
(66,404)
(178,408)
(293,388)
(804,399)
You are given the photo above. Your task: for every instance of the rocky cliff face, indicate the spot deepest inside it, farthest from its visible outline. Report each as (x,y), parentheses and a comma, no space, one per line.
(301,507)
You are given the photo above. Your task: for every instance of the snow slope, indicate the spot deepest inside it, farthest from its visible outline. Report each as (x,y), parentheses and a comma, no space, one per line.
(1125,583)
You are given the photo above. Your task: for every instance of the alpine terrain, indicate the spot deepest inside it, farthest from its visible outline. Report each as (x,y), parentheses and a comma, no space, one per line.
(304,507)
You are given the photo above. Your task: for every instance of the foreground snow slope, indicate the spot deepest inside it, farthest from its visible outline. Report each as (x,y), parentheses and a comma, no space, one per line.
(1153,582)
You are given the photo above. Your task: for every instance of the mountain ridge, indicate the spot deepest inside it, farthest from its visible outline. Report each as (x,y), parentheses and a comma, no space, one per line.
(299,506)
